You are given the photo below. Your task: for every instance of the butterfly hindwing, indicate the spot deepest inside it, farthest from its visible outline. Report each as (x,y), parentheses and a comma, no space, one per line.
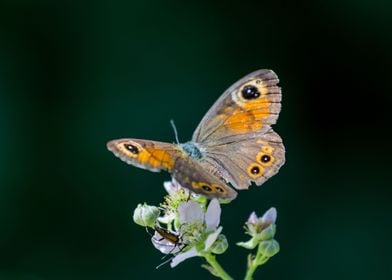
(255,159)
(190,174)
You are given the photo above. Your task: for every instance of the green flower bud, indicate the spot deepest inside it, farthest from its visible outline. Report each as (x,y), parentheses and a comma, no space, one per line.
(269,248)
(220,245)
(145,215)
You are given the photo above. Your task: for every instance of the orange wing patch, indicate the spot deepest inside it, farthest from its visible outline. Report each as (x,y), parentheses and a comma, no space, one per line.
(249,117)
(145,154)
(160,158)
(255,103)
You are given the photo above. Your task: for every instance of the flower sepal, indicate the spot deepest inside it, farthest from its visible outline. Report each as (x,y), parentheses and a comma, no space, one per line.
(250,244)
(269,248)
(267,233)
(220,245)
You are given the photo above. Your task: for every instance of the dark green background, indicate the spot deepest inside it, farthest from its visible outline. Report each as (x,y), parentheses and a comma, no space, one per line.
(75,75)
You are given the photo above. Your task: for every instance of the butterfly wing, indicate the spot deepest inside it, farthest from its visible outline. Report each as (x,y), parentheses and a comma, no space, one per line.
(156,156)
(150,155)
(239,163)
(251,105)
(236,137)
(190,174)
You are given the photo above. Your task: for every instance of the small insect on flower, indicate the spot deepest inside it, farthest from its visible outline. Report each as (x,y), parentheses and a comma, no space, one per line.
(169,236)
(166,241)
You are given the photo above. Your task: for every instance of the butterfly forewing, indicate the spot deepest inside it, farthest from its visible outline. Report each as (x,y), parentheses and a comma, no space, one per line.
(151,155)
(236,137)
(249,106)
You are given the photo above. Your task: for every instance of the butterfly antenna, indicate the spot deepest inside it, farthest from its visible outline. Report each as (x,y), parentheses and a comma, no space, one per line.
(175,131)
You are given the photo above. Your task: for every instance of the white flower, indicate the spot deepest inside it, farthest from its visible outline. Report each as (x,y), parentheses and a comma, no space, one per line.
(172,187)
(176,195)
(196,228)
(256,225)
(260,228)
(197,223)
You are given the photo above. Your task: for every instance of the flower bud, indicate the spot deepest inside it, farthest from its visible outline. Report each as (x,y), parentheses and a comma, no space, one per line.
(145,215)
(269,248)
(220,245)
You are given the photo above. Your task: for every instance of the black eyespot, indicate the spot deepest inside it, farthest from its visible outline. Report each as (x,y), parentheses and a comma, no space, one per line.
(255,170)
(265,158)
(133,149)
(250,92)
(206,188)
(219,189)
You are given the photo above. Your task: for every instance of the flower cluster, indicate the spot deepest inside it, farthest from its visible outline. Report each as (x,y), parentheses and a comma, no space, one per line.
(186,225)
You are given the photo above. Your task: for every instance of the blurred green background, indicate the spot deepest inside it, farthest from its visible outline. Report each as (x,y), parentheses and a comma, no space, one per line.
(74,75)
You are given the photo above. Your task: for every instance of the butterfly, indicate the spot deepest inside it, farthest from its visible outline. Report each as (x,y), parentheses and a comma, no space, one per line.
(233,144)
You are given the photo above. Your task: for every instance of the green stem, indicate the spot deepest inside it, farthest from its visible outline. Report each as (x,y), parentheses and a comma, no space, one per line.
(253,266)
(250,271)
(220,272)
(255,262)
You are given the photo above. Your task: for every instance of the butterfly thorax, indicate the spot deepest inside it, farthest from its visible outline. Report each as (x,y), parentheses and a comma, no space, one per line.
(192,150)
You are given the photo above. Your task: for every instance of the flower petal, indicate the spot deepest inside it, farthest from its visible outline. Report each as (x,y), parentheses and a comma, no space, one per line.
(183,256)
(190,212)
(211,238)
(167,219)
(269,216)
(213,214)
(252,218)
(163,245)
(171,186)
